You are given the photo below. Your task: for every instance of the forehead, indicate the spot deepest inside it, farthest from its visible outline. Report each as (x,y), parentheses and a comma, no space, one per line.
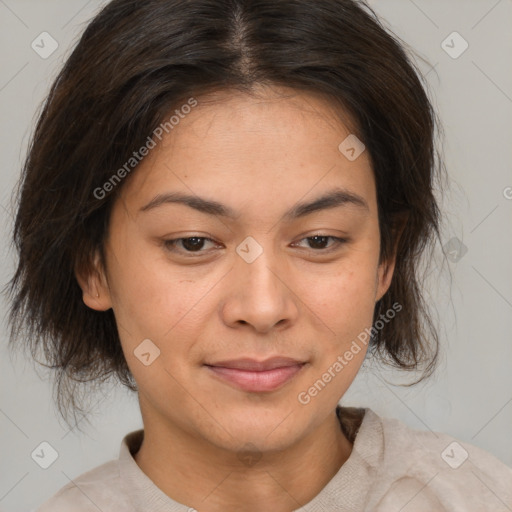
(269,111)
(274,147)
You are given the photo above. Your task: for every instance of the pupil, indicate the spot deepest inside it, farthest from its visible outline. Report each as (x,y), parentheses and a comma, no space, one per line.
(197,245)
(315,239)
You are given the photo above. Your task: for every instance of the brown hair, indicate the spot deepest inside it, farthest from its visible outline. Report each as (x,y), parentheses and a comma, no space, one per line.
(139,59)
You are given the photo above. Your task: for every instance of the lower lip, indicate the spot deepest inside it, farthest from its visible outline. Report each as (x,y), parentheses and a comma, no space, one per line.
(257,382)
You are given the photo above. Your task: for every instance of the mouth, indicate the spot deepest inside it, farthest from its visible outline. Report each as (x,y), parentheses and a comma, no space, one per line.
(257,376)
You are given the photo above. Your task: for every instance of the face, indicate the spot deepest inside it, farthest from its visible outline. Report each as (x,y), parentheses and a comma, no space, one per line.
(248,302)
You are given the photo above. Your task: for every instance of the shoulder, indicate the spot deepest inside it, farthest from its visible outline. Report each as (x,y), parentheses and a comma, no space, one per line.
(418,469)
(101,488)
(98,489)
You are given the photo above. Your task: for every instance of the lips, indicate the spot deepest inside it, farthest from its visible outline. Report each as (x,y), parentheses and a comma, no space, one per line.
(256,376)
(258,366)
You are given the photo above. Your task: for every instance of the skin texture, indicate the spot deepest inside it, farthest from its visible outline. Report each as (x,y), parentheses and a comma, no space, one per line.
(259,156)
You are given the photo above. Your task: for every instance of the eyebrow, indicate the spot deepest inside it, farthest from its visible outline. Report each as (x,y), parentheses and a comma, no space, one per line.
(332,199)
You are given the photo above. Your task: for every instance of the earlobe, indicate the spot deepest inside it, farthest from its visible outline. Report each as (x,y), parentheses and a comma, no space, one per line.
(95,291)
(384,277)
(386,268)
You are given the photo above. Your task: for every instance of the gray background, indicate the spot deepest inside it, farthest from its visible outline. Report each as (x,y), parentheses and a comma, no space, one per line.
(470,397)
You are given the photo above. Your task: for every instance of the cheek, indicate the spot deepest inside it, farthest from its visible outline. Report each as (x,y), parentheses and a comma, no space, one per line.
(157,304)
(150,298)
(344,299)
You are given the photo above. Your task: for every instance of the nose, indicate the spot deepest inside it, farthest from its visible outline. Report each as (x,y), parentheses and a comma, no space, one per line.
(260,294)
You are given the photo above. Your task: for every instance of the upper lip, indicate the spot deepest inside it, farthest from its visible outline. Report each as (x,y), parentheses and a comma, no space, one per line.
(248,364)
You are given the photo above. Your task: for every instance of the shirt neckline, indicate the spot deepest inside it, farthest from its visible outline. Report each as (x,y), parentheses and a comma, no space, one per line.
(347,489)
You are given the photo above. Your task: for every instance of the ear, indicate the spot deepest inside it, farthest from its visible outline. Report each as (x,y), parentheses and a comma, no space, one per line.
(386,268)
(94,285)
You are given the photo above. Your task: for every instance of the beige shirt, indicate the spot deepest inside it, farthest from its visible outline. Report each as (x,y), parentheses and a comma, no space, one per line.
(391,468)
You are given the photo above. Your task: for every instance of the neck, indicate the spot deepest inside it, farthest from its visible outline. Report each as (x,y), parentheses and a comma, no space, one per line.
(210,479)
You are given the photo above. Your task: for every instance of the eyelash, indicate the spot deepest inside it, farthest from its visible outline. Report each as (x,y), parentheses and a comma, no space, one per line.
(170,245)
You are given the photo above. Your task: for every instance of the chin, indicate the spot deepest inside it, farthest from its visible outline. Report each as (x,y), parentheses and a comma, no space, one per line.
(267,429)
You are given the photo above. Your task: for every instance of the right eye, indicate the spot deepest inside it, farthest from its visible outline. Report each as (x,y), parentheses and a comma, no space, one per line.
(187,245)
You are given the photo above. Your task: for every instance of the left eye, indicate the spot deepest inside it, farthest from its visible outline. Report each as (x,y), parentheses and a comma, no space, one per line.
(320,240)
(194,244)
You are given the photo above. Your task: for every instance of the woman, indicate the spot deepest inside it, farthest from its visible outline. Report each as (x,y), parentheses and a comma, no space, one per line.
(236,195)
